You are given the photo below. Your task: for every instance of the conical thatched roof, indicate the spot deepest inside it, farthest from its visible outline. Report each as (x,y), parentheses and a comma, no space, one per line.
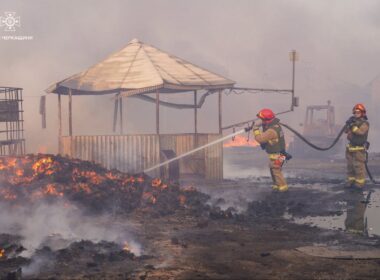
(140,68)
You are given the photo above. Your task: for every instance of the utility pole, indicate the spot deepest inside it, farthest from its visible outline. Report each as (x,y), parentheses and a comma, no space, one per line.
(293,57)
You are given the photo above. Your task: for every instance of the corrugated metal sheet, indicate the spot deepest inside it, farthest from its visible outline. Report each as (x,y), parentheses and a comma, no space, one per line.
(134,153)
(214,158)
(128,153)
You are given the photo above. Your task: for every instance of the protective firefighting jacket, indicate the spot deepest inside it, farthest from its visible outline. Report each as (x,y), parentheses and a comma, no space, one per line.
(358,132)
(272,136)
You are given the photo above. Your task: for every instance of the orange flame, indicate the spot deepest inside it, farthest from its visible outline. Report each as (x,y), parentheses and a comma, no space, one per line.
(91,176)
(19,172)
(241,141)
(43,166)
(2,253)
(126,246)
(156,182)
(83,187)
(148,196)
(50,189)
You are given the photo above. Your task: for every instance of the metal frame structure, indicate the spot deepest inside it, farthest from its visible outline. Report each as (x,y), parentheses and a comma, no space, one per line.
(12,141)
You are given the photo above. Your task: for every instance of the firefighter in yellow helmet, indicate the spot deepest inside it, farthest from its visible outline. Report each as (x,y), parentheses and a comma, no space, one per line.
(271,138)
(357,128)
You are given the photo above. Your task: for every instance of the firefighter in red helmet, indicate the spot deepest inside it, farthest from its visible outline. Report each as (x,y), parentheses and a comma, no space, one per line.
(271,138)
(357,128)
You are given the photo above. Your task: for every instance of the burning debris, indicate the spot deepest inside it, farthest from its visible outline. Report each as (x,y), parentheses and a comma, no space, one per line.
(33,178)
(52,202)
(60,210)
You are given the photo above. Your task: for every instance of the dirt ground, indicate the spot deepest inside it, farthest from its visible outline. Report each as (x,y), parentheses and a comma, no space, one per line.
(243,232)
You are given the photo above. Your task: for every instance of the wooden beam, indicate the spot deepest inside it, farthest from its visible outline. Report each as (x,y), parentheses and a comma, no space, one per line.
(59,124)
(121,115)
(70,114)
(157,112)
(220,110)
(115,114)
(195,113)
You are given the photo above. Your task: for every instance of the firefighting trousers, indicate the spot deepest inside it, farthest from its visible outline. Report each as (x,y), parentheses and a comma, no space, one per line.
(356,171)
(275,166)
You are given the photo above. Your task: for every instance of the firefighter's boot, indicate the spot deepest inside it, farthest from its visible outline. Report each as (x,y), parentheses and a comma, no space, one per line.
(283,188)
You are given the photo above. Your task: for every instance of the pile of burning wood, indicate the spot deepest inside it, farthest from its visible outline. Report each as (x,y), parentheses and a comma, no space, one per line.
(33,178)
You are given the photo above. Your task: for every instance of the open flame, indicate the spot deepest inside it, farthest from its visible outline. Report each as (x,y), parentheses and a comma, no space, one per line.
(50,189)
(126,246)
(241,141)
(2,253)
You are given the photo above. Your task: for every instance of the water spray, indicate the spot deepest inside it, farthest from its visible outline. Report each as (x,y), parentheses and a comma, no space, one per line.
(196,150)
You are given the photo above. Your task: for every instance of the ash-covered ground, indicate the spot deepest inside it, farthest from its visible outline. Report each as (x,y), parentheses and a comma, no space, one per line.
(68,219)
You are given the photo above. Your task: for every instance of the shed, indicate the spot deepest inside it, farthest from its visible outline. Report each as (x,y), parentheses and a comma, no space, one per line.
(141,70)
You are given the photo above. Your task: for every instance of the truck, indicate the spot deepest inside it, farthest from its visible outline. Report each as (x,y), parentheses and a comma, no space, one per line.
(320,129)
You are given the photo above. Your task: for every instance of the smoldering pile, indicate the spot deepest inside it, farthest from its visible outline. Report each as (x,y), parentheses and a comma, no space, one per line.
(56,215)
(80,258)
(33,178)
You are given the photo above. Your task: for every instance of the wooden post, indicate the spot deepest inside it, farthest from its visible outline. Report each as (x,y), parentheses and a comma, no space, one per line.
(195,120)
(195,112)
(59,124)
(121,115)
(115,114)
(70,114)
(220,110)
(157,112)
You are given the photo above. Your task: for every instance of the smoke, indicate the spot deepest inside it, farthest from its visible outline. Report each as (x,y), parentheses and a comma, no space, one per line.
(58,225)
(248,41)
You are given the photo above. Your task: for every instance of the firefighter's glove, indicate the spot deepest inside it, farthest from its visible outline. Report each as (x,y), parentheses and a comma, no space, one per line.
(256,131)
(350,121)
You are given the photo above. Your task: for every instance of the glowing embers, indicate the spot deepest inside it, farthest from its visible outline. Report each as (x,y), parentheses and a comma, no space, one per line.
(149,197)
(50,189)
(36,178)
(87,176)
(126,246)
(45,166)
(2,253)
(157,183)
(241,141)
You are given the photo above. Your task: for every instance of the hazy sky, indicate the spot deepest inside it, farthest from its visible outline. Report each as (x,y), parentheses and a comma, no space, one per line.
(338,44)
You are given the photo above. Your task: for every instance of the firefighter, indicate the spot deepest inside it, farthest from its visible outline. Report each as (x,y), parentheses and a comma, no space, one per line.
(271,138)
(357,128)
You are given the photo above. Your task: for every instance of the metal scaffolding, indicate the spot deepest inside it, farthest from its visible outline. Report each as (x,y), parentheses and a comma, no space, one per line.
(12,140)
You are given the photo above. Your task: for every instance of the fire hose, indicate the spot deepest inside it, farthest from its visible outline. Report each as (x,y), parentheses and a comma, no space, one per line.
(248,129)
(332,145)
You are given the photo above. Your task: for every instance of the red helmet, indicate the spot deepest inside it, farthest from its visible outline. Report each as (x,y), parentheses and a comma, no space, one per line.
(266,115)
(359,107)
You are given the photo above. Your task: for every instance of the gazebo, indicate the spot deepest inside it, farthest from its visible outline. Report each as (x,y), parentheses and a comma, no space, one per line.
(143,71)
